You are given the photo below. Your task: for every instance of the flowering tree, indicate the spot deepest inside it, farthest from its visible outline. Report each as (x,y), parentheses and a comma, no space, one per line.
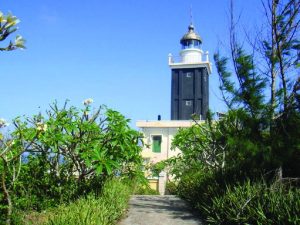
(66,153)
(7,157)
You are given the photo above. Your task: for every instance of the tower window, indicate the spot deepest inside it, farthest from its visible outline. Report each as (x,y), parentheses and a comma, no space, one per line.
(188,75)
(188,103)
(156,143)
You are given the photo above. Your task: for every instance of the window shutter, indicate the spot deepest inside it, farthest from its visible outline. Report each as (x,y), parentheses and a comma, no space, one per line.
(156,144)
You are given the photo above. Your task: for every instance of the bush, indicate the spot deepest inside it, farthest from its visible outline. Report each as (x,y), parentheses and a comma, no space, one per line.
(171,188)
(104,209)
(198,186)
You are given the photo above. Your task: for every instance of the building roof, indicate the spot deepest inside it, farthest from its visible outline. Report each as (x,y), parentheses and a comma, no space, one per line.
(166,123)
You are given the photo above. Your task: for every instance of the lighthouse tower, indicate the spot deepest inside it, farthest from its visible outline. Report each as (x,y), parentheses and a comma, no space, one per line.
(189,90)
(190,73)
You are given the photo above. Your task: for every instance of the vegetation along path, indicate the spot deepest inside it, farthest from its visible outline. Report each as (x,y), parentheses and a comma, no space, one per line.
(157,210)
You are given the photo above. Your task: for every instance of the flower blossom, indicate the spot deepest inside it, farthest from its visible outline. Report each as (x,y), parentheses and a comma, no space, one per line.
(3,123)
(41,126)
(88,101)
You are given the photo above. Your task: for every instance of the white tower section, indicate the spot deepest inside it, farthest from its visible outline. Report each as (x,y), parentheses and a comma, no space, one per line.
(191,55)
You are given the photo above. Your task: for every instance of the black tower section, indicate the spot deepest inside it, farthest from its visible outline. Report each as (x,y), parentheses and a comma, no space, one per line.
(189,93)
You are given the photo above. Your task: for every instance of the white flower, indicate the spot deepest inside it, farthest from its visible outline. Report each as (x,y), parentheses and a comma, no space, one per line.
(3,123)
(88,101)
(41,126)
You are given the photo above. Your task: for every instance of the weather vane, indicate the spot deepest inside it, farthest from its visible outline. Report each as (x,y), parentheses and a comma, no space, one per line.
(191,14)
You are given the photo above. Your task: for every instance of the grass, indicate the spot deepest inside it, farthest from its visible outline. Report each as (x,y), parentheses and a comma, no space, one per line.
(256,203)
(103,210)
(224,200)
(145,190)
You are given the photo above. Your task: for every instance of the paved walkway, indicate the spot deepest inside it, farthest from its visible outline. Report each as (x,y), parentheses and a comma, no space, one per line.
(158,210)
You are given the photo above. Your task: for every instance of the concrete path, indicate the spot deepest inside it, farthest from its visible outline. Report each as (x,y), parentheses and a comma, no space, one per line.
(158,210)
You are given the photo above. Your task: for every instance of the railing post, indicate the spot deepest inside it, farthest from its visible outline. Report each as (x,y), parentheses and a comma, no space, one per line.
(206,58)
(170,58)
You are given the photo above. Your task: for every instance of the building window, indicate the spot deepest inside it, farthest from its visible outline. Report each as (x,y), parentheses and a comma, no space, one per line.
(188,103)
(156,143)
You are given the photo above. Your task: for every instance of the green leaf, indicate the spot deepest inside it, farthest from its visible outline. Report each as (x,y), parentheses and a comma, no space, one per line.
(99,169)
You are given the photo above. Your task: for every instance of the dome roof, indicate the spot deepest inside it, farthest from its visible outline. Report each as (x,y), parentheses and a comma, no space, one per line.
(190,35)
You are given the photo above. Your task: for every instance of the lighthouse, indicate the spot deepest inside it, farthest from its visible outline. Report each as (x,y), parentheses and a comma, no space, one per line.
(189,82)
(189,99)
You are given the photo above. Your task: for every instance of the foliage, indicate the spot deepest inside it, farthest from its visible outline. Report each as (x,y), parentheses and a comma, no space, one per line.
(68,153)
(171,188)
(201,143)
(106,208)
(199,186)
(7,27)
(247,92)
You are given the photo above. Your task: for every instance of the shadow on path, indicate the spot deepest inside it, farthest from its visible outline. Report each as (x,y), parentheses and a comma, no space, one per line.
(157,210)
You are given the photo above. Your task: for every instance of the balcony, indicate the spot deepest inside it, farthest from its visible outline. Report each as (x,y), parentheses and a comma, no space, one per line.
(190,58)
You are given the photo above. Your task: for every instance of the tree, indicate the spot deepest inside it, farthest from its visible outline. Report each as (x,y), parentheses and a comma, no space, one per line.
(280,47)
(255,133)
(9,159)
(269,120)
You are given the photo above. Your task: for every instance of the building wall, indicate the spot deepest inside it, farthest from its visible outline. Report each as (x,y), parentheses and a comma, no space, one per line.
(166,152)
(167,136)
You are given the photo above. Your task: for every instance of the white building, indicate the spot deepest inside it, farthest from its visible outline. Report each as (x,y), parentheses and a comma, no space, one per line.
(158,136)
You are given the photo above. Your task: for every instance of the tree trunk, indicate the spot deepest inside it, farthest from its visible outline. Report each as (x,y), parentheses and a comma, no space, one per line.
(273,70)
(6,194)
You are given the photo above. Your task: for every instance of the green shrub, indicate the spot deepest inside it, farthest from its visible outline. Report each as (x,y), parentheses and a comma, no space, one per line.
(104,209)
(198,186)
(171,188)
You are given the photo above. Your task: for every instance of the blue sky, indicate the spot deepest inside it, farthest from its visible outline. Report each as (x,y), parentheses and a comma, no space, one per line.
(115,52)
